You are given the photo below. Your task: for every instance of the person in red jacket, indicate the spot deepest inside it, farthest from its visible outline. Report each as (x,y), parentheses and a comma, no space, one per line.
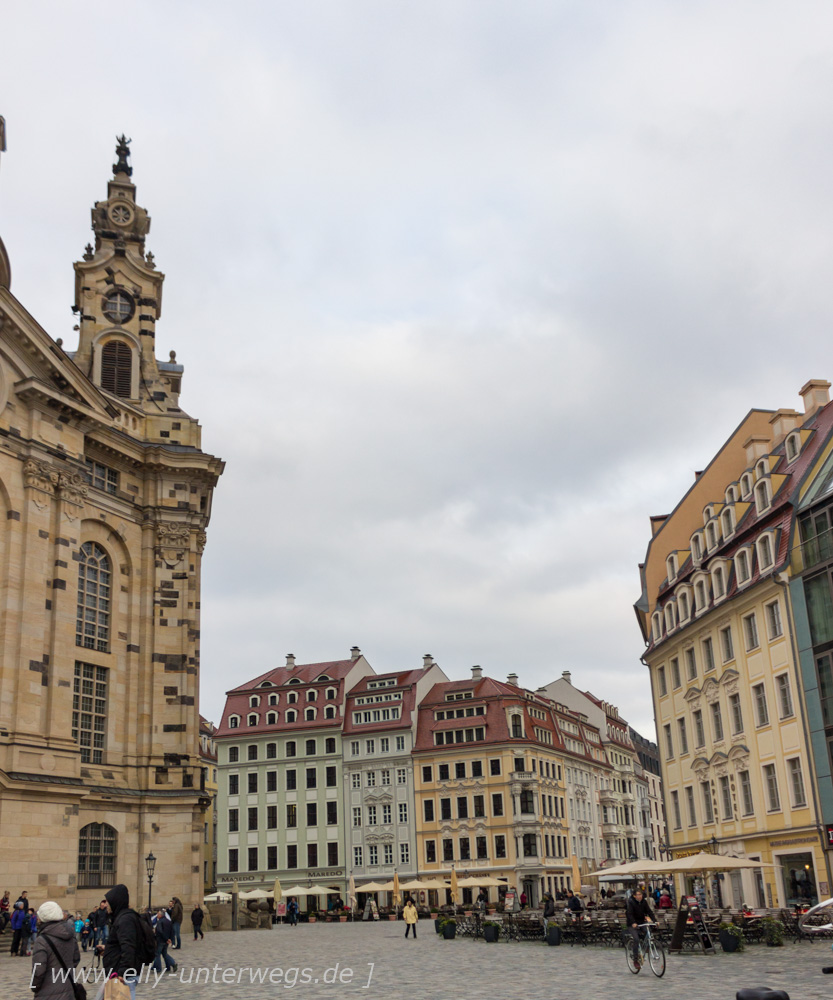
(665,901)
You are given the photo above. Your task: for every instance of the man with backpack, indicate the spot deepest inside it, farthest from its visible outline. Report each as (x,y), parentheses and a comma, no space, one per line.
(130,944)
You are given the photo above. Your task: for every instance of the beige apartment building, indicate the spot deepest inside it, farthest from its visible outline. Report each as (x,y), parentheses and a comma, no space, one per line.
(105,496)
(719,624)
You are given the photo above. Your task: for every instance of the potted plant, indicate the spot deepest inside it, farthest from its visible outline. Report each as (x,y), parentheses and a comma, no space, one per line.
(553,933)
(730,937)
(773,932)
(434,913)
(342,916)
(448,928)
(491,931)
(312,918)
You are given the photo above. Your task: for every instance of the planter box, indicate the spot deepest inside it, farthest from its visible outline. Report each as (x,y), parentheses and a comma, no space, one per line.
(728,941)
(491,934)
(554,935)
(391,916)
(312,920)
(450,931)
(342,920)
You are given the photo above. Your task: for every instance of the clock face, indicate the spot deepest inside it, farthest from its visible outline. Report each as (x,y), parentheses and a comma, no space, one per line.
(121,215)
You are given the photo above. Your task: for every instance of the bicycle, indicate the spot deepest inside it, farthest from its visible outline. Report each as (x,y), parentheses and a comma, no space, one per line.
(650,951)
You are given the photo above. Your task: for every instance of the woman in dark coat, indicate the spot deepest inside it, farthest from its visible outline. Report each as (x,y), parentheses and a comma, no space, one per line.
(196,919)
(49,981)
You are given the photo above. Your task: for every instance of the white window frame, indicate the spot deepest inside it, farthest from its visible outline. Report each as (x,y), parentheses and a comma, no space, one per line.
(727,648)
(798,789)
(683,604)
(765,548)
(773,795)
(743,566)
(763,496)
(671,567)
(792,446)
(656,626)
(783,688)
(759,700)
(718,575)
(712,535)
(727,522)
(750,632)
(746,484)
(774,625)
(669,613)
(698,548)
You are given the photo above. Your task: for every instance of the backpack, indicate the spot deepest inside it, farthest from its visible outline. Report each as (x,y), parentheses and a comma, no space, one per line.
(145,940)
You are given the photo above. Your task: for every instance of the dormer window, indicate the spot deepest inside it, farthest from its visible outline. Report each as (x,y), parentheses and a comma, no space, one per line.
(330,694)
(656,626)
(233,721)
(701,595)
(671,567)
(309,714)
(271,718)
(254,701)
(312,695)
(252,719)
(763,497)
(118,306)
(669,616)
(697,547)
(708,514)
(792,446)
(711,535)
(743,569)
(718,582)
(731,495)
(727,522)
(329,712)
(322,678)
(273,699)
(764,549)
(292,697)
(761,468)
(291,715)
(293,680)
(683,605)
(746,485)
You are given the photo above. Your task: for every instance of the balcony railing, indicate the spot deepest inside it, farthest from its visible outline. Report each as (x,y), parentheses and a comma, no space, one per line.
(813,552)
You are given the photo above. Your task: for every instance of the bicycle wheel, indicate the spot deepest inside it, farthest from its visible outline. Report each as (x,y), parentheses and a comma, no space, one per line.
(629,956)
(656,956)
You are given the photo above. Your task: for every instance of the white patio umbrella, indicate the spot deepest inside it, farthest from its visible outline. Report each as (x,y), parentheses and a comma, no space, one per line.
(704,862)
(218,897)
(255,894)
(631,868)
(374,887)
(297,890)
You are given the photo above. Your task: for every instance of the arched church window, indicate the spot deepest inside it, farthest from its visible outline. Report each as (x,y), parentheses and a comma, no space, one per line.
(92,620)
(117,368)
(97,856)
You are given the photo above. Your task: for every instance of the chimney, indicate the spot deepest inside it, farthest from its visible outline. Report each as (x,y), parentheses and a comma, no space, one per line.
(782,422)
(290,661)
(427,661)
(477,673)
(756,447)
(566,675)
(512,679)
(815,393)
(355,652)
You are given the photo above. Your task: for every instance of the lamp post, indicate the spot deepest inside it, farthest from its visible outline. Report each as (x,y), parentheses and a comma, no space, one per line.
(150,867)
(714,844)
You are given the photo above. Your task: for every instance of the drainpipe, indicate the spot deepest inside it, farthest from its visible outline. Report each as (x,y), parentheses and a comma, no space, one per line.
(800,689)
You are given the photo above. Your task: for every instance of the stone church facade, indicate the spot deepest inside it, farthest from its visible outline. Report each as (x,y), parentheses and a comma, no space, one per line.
(105,497)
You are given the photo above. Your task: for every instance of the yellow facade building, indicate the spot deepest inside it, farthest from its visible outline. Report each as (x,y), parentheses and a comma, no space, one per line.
(719,623)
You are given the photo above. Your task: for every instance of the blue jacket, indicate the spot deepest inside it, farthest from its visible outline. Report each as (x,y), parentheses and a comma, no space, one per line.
(18,919)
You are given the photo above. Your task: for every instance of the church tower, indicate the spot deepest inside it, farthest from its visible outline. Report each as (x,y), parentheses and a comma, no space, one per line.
(105,498)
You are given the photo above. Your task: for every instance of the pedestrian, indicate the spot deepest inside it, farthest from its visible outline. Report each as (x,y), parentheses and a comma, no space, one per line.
(5,911)
(549,907)
(196,919)
(665,900)
(101,922)
(523,900)
(18,922)
(122,952)
(86,933)
(33,929)
(292,912)
(164,936)
(411,916)
(55,952)
(176,914)
(23,898)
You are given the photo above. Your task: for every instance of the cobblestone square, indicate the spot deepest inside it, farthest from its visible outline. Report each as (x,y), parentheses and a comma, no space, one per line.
(375,962)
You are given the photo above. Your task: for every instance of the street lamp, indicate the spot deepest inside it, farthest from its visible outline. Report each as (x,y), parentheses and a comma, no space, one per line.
(663,848)
(713,844)
(150,867)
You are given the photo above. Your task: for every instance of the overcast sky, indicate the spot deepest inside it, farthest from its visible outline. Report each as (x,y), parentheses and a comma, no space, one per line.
(464,291)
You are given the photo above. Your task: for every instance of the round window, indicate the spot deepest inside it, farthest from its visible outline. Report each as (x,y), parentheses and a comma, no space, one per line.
(121,215)
(118,307)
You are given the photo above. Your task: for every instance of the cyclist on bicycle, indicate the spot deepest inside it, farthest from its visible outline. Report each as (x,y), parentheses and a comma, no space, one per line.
(639,912)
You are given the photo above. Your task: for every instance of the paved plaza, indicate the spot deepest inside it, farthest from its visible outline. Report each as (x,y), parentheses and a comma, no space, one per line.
(375,962)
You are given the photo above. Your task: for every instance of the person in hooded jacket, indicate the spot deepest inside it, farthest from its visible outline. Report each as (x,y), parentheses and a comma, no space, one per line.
(20,922)
(49,981)
(196,919)
(121,953)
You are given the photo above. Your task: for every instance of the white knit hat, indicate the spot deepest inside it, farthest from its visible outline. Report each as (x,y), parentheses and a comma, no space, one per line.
(50,912)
